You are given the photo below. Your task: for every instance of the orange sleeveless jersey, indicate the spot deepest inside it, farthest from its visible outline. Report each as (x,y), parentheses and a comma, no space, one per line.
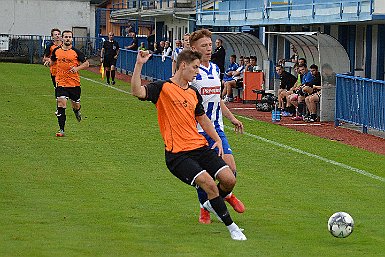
(177,109)
(65,60)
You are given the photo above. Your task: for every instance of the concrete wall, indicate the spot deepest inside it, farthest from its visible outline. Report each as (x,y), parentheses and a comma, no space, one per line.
(379,7)
(173,24)
(38,17)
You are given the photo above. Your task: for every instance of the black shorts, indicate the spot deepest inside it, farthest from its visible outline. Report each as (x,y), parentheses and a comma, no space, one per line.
(72,93)
(187,166)
(109,61)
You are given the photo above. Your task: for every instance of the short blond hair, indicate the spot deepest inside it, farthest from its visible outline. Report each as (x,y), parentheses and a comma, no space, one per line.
(196,35)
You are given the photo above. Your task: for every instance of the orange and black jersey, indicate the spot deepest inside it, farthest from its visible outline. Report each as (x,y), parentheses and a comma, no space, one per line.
(177,109)
(66,59)
(48,53)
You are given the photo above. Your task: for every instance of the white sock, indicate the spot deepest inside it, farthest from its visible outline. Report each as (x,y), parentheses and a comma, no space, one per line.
(232,227)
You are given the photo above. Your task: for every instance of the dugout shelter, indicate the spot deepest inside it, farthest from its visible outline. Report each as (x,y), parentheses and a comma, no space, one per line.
(328,54)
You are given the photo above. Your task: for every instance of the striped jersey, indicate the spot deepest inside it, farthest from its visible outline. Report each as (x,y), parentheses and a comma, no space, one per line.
(176,52)
(208,84)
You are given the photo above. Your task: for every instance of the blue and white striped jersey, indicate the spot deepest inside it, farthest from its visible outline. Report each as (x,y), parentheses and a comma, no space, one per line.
(208,84)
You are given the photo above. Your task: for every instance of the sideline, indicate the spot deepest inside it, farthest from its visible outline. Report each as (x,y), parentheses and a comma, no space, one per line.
(350,168)
(103,84)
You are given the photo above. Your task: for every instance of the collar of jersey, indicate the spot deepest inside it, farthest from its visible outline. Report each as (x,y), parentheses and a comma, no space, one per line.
(209,71)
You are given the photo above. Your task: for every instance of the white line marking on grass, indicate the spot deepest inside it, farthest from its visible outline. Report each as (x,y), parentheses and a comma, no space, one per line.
(362,172)
(103,84)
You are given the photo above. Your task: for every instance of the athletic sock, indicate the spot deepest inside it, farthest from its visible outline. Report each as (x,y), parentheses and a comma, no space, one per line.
(108,75)
(61,117)
(220,208)
(202,195)
(76,110)
(113,75)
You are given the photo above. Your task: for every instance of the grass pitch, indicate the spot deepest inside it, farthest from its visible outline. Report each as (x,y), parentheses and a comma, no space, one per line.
(104,189)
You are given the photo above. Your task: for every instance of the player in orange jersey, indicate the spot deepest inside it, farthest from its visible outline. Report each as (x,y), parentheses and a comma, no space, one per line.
(55,43)
(188,156)
(69,61)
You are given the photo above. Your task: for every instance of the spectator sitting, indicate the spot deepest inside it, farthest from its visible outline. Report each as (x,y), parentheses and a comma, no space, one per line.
(142,46)
(298,98)
(167,51)
(237,76)
(161,46)
(253,67)
(134,44)
(287,82)
(233,66)
(157,49)
(313,94)
(286,94)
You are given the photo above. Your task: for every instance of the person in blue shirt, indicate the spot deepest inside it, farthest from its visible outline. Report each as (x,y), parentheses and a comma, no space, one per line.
(298,99)
(233,66)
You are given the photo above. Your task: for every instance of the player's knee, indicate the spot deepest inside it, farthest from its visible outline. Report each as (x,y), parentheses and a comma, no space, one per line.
(227,179)
(212,189)
(61,102)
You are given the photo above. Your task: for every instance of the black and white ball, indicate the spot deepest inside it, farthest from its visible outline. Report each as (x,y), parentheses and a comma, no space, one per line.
(340,224)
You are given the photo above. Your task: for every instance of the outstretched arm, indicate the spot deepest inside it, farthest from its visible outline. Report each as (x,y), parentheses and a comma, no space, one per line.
(136,83)
(208,127)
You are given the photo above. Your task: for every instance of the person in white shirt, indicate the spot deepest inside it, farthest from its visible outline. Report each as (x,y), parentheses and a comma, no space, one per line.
(208,84)
(175,53)
(167,51)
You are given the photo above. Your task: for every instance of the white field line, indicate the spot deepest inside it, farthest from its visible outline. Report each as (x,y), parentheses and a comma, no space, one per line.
(103,84)
(350,168)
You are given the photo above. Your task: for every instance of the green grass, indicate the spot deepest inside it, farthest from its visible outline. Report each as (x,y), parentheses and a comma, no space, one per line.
(104,189)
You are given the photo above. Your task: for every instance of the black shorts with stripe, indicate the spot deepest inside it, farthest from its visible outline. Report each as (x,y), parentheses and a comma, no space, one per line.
(188,165)
(72,93)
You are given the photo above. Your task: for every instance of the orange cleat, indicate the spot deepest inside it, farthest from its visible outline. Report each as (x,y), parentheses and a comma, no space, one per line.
(204,217)
(60,133)
(237,205)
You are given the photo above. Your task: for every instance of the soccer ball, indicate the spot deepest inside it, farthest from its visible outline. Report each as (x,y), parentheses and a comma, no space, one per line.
(340,224)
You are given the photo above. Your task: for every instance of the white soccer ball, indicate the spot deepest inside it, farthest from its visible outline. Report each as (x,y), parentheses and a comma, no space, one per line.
(340,224)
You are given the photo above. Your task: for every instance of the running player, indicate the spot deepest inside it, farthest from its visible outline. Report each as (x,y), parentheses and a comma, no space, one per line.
(69,61)
(55,43)
(187,154)
(208,85)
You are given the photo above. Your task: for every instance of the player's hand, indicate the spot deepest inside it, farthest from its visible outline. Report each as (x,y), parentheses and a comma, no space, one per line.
(218,144)
(47,63)
(116,57)
(101,60)
(238,125)
(74,69)
(143,56)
